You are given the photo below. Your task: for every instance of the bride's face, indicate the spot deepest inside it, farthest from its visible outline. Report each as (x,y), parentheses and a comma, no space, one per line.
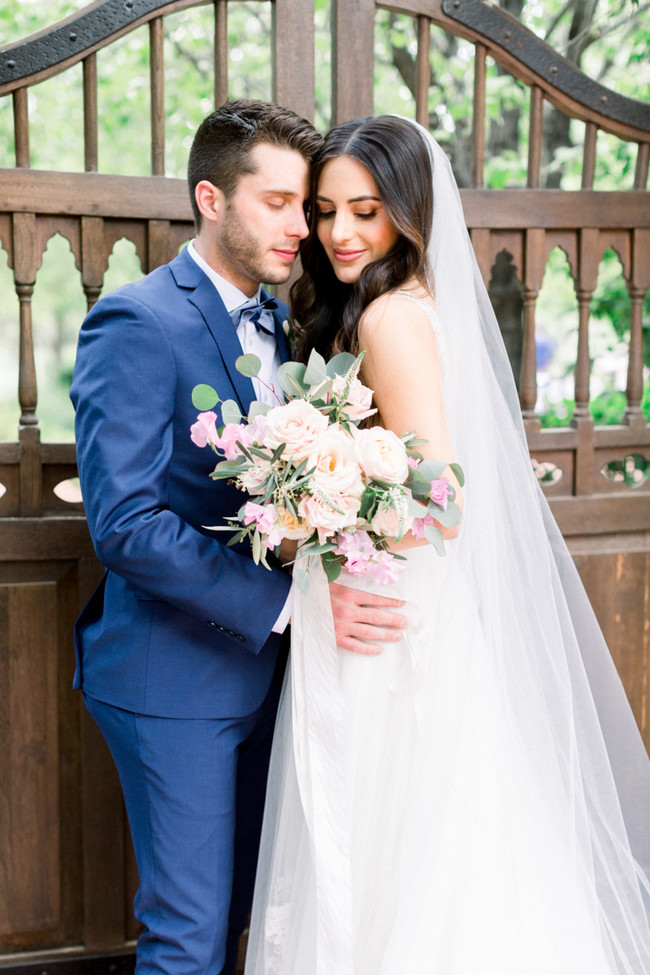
(352,226)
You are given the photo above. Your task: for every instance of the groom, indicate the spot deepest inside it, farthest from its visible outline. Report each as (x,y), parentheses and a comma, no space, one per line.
(180,649)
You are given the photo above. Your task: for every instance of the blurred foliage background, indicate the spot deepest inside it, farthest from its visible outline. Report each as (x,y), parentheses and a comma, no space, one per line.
(608,39)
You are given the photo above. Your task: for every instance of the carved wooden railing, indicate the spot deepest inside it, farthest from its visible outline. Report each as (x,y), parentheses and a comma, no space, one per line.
(66,877)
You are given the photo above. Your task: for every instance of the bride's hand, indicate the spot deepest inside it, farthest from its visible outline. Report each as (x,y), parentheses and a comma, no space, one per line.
(363,620)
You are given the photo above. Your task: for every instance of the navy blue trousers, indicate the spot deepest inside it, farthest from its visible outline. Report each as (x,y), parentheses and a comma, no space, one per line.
(194,793)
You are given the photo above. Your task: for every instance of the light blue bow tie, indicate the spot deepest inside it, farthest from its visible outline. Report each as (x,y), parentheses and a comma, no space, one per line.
(253,313)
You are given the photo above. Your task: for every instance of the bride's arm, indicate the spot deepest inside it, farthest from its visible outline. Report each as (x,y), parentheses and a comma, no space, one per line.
(401,366)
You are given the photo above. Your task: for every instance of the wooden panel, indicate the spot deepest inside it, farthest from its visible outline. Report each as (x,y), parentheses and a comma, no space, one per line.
(29,831)
(616,575)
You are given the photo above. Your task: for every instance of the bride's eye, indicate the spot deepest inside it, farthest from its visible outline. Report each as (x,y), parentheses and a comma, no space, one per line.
(367,215)
(322,214)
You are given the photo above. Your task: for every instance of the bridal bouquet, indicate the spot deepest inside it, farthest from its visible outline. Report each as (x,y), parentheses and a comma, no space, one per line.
(343,493)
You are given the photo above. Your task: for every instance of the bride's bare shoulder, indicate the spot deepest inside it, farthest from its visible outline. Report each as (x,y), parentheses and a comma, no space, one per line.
(395,314)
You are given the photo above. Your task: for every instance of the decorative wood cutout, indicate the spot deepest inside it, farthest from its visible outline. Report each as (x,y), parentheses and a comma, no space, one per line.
(546,472)
(68,490)
(633,470)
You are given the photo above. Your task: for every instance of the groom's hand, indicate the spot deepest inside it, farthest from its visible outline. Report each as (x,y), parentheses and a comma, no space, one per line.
(363,621)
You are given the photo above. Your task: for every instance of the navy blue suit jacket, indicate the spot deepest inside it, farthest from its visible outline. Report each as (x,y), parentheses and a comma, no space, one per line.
(180,625)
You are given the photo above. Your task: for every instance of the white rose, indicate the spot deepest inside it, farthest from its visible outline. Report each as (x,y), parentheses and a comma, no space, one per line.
(382,455)
(297,424)
(337,463)
(320,513)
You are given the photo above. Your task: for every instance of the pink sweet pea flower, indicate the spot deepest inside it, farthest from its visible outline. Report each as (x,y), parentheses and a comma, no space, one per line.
(440,491)
(204,431)
(231,433)
(267,522)
(362,558)
(417,528)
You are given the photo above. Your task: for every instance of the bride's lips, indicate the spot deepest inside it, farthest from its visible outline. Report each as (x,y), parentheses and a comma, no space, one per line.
(345,257)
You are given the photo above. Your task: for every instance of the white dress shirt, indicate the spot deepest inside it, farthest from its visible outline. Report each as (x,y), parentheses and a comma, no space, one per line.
(264,346)
(260,343)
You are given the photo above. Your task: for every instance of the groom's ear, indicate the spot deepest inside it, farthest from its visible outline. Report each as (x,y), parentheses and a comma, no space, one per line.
(210,200)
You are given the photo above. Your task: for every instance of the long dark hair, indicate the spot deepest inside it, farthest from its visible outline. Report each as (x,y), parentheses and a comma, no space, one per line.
(326,312)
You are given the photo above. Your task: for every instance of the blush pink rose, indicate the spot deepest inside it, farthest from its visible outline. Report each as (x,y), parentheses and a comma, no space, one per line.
(334,457)
(297,424)
(358,401)
(386,522)
(328,516)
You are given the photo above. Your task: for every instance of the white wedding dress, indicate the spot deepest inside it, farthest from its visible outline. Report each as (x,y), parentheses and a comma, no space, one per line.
(476,799)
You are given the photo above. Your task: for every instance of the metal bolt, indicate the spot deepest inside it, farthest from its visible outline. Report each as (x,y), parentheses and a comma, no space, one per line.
(603,99)
(73,35)
(456,4)
(507,34)
(11,64)
(554,70)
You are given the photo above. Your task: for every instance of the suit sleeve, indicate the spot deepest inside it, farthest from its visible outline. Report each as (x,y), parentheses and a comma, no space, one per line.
(124,390)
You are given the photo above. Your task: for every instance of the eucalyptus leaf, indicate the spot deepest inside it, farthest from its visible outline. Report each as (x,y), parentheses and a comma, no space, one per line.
(316,371)
(418,483)
(318,395)
(301,579)
(204,397)
(332,568)
(290,377)
(449,517)
(230,412)
(257,408)
(339,364)
(248,365)
(319,548)
(434,535)
(432,468)
(458,471)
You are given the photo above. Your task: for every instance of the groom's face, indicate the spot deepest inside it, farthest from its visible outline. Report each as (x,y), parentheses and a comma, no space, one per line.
(263,222)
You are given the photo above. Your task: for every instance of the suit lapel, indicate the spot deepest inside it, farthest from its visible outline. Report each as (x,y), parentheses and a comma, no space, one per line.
(279,317)
(205,298)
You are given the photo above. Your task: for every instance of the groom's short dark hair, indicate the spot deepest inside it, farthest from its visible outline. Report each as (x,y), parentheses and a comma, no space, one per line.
(222,145)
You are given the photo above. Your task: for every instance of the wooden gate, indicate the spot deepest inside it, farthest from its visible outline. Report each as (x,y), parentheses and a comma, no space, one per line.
(66,873)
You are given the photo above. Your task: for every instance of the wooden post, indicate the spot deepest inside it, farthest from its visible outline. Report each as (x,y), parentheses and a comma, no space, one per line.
(478,121)
(423,71)
(353,33)
(157,75)
(293,56)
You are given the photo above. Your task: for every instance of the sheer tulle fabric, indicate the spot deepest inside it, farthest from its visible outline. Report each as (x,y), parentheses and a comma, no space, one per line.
(478,797)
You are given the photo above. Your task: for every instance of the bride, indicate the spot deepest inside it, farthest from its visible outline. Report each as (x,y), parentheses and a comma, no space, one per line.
(475,798)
